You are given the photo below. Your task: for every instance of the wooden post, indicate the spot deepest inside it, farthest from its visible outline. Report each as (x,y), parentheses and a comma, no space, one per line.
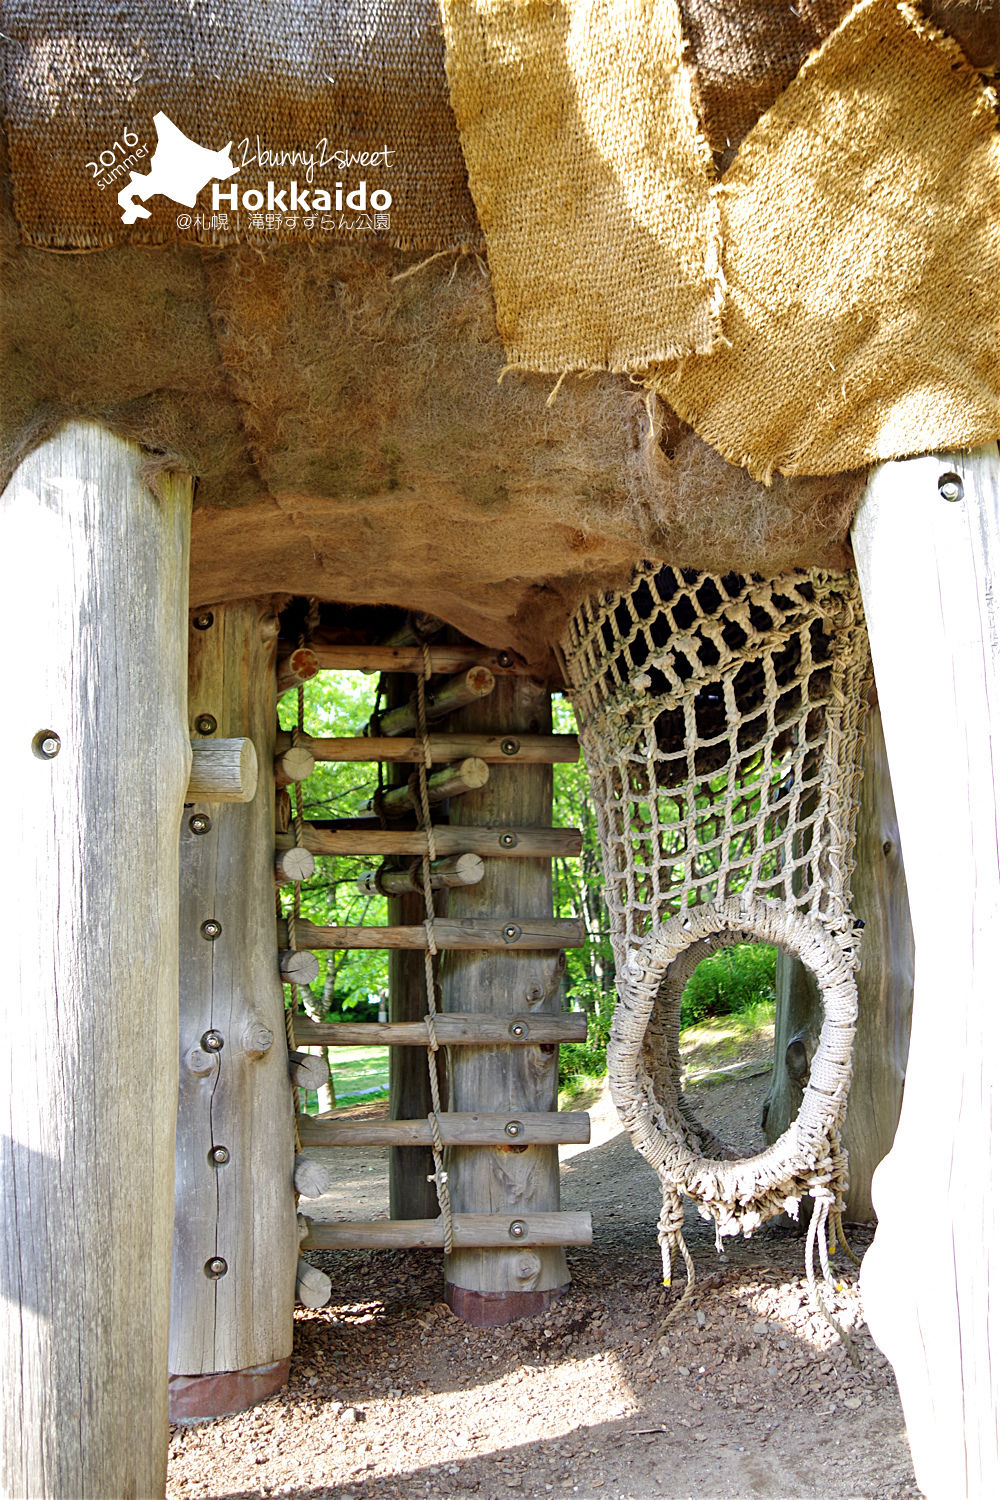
(927,544)
(497,1286)
(235,1235)
(885,993)
(411,1196)
(95,746)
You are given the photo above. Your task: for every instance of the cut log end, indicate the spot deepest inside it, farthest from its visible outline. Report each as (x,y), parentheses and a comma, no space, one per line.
(223,770)
(292,865)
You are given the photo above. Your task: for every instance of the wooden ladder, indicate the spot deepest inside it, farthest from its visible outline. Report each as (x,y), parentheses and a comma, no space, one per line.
(471,674)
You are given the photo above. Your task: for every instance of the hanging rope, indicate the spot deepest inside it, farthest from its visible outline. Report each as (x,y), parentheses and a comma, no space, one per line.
(439,1176)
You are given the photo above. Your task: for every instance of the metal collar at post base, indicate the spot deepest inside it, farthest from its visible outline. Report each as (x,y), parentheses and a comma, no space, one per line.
(493,1309)
(202,1398)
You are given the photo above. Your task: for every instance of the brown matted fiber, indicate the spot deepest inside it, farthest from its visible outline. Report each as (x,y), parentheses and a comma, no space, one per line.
(86,78)
(591,177)
(862,252)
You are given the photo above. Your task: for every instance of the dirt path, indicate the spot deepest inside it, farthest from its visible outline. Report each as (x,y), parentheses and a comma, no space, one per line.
(747,1394)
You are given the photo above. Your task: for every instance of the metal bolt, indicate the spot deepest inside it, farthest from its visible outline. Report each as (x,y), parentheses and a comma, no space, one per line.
(204,621)
(211,929)
(518,1229)
(511,932)
(514,1128)
(206,724)
(215,1268)
(508,841)
(950,487)
(505,659)
(199,823)
(213,1041)
(510,747)
(219,1156)
(518,1029)
(46,744)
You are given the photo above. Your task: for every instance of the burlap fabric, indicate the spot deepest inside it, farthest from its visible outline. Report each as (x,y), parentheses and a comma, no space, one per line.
(314,76)
(591,178)
(862,254)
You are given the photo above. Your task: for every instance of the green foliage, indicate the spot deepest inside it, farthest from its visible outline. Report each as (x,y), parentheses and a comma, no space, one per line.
(730,980)
(588,1059)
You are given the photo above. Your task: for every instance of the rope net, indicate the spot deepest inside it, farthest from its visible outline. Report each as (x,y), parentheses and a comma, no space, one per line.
(721,719)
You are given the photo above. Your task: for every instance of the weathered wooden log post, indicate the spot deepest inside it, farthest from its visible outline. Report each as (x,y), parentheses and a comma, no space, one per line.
(927,544)
(235,1237)
(497,1286)
(96,752)
(885,993)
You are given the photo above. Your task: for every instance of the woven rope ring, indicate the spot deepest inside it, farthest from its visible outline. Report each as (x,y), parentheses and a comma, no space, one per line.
(738,1194)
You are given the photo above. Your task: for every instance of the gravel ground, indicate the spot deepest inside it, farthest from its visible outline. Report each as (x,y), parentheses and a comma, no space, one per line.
(748,1393)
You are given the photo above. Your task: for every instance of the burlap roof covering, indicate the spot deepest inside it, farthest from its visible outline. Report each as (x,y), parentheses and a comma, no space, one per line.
(861,226)
(591,178)
(347,431)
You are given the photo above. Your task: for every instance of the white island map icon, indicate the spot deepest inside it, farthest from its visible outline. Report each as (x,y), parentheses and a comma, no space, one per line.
(179,169)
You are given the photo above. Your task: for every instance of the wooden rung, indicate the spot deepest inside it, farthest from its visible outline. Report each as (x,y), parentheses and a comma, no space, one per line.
(472,1231)
(495,749)
(511,1129)
(464,688)
(468,775)
(453,1029)
(497,934)
(411,659)
(489,843)
(452,871)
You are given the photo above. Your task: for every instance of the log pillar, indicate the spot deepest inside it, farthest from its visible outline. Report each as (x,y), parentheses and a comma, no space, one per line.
(235,1235)
(927,543)
(96,755)
(498,1286)
(885,993)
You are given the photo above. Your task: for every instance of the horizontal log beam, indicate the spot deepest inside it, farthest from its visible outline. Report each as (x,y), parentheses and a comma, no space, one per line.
(454,870)
(223,770)
(495,749)
(472,1231)
(453,1029)
(411,659)
(444,699)
(511,1129)
(488,843)
(467,775)
(496,934)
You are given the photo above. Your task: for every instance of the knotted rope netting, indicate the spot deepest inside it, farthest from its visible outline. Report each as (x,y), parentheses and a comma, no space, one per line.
(721,718)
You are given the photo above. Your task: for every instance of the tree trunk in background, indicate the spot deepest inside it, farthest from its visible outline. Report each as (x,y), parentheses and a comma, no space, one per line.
(927,543)
(497,1286)
(94,593)
(885,993)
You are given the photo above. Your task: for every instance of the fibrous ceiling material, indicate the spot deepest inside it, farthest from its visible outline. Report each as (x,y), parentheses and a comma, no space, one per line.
(345,426)
(591,178)
(861,231)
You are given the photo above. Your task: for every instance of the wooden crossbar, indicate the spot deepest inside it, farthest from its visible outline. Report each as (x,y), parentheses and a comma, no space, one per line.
(490,935)
(495,749)
(472,1231)
(488,843)
(411,659)
(453,1029)
(511,1129)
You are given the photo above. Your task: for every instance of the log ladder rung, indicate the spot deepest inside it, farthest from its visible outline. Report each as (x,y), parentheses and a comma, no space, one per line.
(511,1129)
(494,749)
(488,843)
(488,936)
(505,1231)
(453,1029)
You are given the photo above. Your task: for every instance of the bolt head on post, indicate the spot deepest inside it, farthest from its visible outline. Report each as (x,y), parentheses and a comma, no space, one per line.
(511,932)
(46,744)
(211,929)
(204,620)
(950,487)
(508,840)
(200,823)
(219,1156)
(206,723)
(215,1268)
(212,1041)
(510,747)
(517,1230)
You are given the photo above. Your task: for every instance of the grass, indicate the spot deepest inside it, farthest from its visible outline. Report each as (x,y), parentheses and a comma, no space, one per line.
(360,1074)
(719,1041)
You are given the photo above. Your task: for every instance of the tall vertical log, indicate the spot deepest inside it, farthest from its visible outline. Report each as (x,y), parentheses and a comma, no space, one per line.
(235,1239)
(95,752)
(885,993)
(927,543)
(497,1286)
(411,1195)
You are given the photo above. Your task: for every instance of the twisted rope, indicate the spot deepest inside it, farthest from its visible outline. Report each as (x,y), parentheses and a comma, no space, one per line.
(439,1177)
